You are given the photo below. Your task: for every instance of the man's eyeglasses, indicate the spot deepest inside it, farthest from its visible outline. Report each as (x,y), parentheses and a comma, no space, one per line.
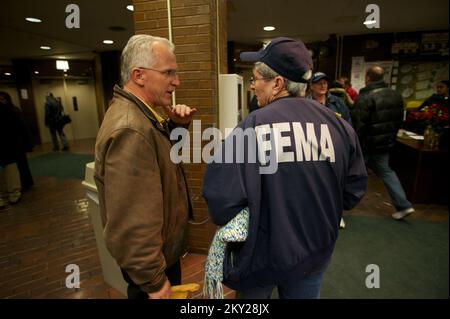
(166,73)
(253,80)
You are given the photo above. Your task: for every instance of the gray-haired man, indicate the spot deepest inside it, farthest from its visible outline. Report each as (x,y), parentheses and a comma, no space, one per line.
(143,196)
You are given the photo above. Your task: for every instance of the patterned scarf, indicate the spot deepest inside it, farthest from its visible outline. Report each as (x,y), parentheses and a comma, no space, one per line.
(234,231)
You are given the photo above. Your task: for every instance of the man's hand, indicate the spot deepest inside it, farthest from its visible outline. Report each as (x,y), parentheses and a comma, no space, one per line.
(163,293)
(180,113)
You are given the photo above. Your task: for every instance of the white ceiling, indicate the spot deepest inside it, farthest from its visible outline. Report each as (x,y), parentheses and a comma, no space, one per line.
(310,20)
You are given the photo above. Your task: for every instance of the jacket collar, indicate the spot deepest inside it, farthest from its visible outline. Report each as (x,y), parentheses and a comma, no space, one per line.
(118,91)
(374,85)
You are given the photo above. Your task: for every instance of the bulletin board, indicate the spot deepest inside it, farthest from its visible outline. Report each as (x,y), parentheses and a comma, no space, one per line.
(417,80)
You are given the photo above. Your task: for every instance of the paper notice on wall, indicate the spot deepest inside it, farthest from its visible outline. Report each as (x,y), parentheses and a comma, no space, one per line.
(427,75)
(422,95)
(358,73)
(24,94)
(422,85)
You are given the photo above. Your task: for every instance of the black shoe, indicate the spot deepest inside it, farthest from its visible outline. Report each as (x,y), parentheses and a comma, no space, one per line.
(65,148)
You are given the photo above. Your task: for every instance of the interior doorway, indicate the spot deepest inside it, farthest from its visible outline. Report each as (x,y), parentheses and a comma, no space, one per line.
(78,100)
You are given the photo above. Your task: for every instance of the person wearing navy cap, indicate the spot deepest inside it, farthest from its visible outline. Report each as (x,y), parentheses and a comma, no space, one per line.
(305,168)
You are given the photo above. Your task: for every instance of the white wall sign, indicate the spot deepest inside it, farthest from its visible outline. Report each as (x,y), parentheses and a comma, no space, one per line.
(24,94)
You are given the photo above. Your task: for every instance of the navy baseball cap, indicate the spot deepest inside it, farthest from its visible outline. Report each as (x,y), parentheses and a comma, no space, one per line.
(319,76)
(288,57)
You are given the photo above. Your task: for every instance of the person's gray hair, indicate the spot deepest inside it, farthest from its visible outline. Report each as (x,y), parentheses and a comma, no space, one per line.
(293,88)
(139,53)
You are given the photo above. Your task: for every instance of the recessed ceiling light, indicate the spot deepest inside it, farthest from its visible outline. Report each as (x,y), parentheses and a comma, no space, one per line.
(62,65)
(36,72)
(108,41)
(269,28)
(35,20)
(7,73)
(44,47)
(130,7)
(369,22)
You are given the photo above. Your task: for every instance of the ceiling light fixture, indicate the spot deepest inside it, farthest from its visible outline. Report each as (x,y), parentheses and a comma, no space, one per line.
(7,73)
(36,72)
(108,41)
(369,22)
(130,7)
(269,28)
(62,65)
(35,20)
(44,47)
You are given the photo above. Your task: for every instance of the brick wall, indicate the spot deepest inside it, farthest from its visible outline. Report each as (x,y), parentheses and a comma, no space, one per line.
(194,32)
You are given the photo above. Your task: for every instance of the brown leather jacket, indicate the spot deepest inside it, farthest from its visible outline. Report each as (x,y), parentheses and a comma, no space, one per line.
(143,196)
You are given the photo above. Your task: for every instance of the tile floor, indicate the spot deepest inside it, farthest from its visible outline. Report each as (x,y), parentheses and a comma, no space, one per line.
(50,228)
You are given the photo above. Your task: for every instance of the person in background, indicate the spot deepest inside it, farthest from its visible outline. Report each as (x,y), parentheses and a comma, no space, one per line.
(53,115)
(338,90)
(377,117)
(440,97)
(143,195)
(26,178)
(13,144)
(345,82)
(319,92)
(294,210)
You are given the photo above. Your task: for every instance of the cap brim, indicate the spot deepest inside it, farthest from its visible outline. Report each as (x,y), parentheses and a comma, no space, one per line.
(250,56)
(321,78)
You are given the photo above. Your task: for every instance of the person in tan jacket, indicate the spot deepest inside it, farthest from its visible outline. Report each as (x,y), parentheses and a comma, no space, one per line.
(143,196)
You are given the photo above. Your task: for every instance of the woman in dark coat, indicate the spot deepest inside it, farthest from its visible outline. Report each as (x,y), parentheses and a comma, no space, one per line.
(15,140)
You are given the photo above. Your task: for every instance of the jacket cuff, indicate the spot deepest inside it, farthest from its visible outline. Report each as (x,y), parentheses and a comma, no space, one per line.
(154,287)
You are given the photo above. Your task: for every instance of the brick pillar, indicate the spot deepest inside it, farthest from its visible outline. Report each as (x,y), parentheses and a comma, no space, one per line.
(197,46)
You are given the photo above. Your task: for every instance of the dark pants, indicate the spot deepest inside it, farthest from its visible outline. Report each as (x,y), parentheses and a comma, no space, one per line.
(173,273)
(62,136)
(306,288)
(26,179)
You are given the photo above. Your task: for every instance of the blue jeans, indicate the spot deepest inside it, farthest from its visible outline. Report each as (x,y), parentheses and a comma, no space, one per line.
(306,288)
(379,163)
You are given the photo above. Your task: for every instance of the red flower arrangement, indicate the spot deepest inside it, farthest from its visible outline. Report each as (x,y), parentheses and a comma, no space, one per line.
(435,116)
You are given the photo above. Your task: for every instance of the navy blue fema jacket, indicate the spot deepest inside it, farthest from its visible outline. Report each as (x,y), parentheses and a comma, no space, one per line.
(294,212)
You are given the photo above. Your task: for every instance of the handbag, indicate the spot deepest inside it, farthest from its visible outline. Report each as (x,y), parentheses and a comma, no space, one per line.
(64,119)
